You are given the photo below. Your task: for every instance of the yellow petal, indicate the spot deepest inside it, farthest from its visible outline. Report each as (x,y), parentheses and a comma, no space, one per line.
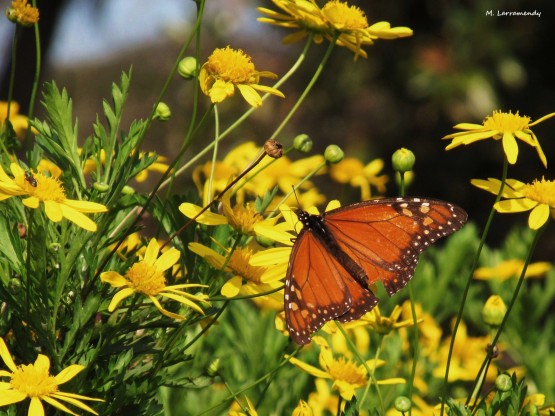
(510,147)
(167,259)
(53,211)
(32,202)
(183,300)
(538,216)
(114,279)
(118,297)
(207,217)
(6,356)
(66,397)
(36,408)
(11,396)
(68,373)
(85,206)
(232,287)
(77,218)
(42,363)
(313,371)
(152,251)
(250,95)
(515,205)
(57,404)
(164,311)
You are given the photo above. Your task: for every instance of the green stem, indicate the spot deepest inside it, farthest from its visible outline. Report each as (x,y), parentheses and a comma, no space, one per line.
(208,197)
(307,89)
(36,78)
(467,287)
(495,339)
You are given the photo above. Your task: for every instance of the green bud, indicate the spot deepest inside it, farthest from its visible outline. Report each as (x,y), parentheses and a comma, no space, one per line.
(264,241)
(494,311)
(162,112)
(333,154)
(503,383)
(302,143)
(187,67)
(127,190)
(403,160)
(402,403)
(101,187)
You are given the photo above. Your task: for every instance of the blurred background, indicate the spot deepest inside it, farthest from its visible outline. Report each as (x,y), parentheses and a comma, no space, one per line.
(460,65)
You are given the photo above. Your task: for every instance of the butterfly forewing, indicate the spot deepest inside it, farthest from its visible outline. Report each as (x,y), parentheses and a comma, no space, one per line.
(391,233)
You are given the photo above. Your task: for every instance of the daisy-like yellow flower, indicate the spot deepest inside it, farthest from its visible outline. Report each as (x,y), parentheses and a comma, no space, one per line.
(336,19)
(302,409)
(383,324)
(39,188)
(246,279)
(351,170)
(227,69)
(345,374)
(23,13)
(512,268)
(537,197)
(241,218)
(506,127)
(35,382)
(20,123)
(237,409)
(146,277)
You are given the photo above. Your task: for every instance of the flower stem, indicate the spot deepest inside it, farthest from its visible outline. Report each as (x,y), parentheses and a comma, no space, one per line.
(35,79)
(467,287)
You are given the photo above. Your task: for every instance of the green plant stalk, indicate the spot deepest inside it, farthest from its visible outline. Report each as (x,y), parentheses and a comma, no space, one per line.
(36,77)
(468,283)
(214,154)
(308,87)
(485,365)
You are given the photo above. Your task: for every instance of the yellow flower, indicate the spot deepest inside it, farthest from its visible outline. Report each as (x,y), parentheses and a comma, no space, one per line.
(35,382)
(247,279)
(537,197)
(229,68)
(512,268)
(146,277)
(383,324)
(336,19)
(302,409)
(48,190)
(353,172)
(22,13)
(237,409)
(19,122)
(240,218)
(538,400)
(345,374)
(505,126)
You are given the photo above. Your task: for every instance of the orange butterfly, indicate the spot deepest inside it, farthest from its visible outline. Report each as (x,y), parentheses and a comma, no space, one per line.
(337,256)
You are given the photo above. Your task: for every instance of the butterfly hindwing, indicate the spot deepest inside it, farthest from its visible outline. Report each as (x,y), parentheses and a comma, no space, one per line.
(319,289)
(386,236)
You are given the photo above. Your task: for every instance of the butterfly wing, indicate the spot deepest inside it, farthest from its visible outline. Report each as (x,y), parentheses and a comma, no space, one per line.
(319,289)
(386,236)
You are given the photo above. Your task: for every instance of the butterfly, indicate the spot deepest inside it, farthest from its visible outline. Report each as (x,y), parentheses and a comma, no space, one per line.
(338,255)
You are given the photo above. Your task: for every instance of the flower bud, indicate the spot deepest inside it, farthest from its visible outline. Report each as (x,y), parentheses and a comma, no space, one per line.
(101,187)
(333,154)
(402,404)
(503,382)
(162,112)
(403,160)
(494,310)
(213,367)
(127,190)
(302,143)
(187,67)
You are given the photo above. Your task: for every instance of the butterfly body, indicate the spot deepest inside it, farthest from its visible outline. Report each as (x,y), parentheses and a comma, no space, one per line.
(338,255)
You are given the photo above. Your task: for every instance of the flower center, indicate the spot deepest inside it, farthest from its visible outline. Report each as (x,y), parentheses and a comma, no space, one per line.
(503,122)
(33,381)
(541,191)
(342,369)
(42,187)
(146,278)
(231,65)
(239,263)
(344,17)
(243,219)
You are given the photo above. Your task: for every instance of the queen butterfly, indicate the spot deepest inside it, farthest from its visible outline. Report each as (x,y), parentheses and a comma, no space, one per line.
(337,255)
